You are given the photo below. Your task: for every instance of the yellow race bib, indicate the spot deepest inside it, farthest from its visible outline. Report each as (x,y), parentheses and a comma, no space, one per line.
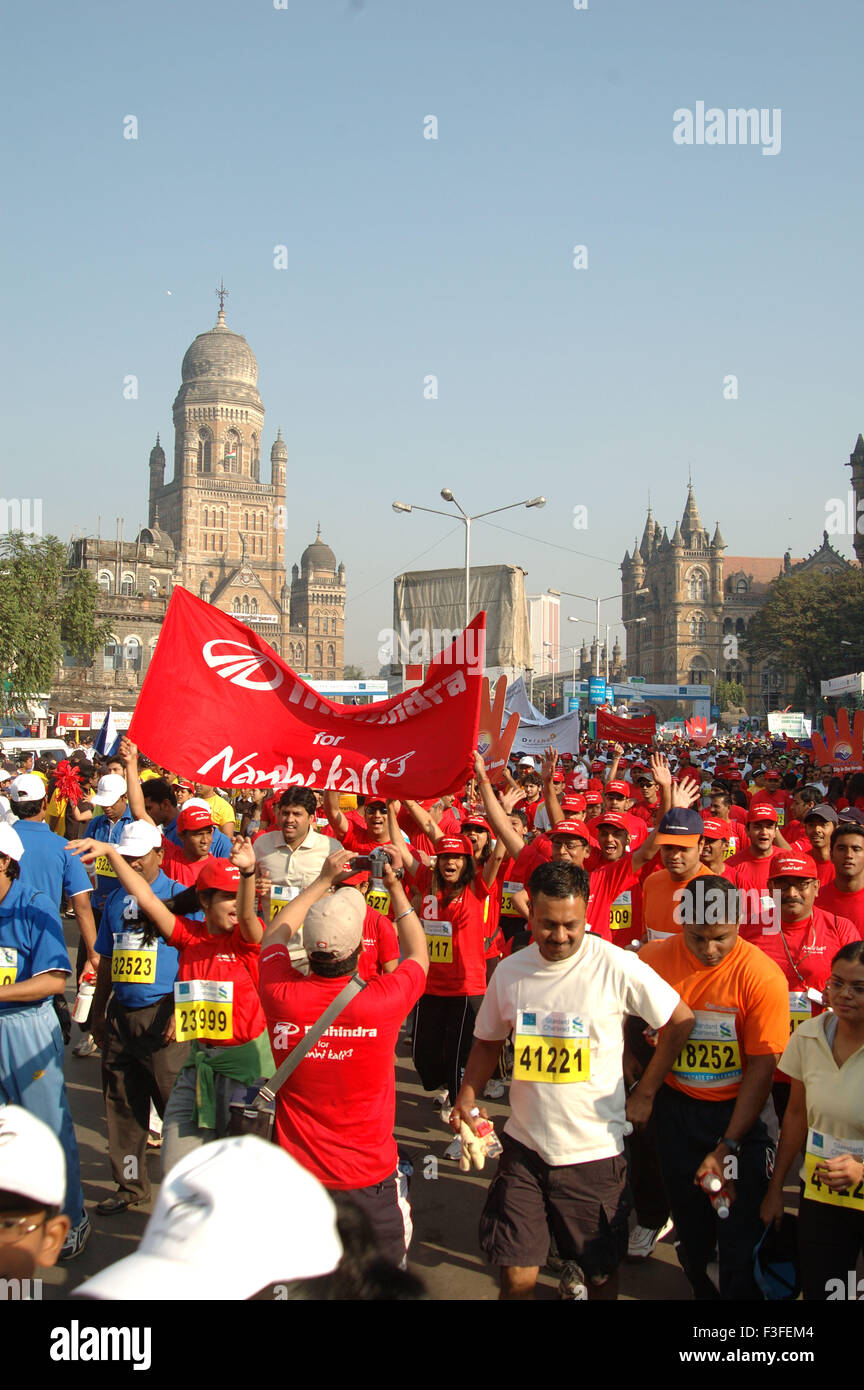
(8,965)
(131,961)
(102,866)
(800,1009)
(551,1047)
(379,899)
(621,911)
(439,940)
(204,1009)
(711,1056)
(822,1146)
(280,896)
(507,909)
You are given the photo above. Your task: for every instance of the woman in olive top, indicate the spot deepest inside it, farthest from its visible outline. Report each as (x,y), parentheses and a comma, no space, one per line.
(825,1117)
(216,1003)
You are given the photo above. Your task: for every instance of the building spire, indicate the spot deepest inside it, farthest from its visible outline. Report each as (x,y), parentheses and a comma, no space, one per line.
(221,295)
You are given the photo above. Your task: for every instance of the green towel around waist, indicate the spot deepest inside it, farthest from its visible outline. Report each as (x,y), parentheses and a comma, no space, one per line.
(243,1064)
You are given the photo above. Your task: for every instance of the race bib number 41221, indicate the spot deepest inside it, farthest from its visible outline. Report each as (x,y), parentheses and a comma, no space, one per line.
(204,1009)
(551,1047)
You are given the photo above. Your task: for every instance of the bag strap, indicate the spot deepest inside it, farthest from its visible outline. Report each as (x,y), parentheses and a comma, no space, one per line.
(268,1091)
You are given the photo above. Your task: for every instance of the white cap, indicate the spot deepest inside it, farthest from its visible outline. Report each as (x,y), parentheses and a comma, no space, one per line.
(32,1162)
(10,841)
(27,787)
(110,789)
(4,775)
(526,762)
(139,837)
(230,1218)
(197,801)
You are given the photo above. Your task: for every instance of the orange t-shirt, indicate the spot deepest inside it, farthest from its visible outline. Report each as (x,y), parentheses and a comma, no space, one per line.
(659,901)
(741,1008)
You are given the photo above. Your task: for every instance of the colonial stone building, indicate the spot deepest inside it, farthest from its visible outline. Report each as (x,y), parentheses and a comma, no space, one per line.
(697,601)
(216,528)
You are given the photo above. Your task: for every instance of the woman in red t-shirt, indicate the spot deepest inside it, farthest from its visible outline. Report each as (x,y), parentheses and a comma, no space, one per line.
(216,1003)
(454,904)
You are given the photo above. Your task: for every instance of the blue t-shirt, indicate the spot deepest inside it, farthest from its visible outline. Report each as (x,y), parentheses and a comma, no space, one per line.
(220,845)
(46,864)
(101,828)
(148,974)
(31,940)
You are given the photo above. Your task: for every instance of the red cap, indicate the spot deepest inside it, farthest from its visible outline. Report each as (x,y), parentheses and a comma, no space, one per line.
(594,784)
(577,828)
(792,866)
(593,798)
(477,821)
(194,818)
(715,829)
(218,873)
(775,776)
(762,810)
(574,801)
(374,801)
(613,818)
(621,788)
(454,844)
(597,766)
(557,776)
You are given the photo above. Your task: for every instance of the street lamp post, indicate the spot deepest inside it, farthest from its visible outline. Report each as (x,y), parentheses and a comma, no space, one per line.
(589,598)
(467,520)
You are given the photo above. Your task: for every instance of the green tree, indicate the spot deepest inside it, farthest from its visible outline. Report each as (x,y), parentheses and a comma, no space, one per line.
(38,613)
(352,673)
(813,624)
(727,694)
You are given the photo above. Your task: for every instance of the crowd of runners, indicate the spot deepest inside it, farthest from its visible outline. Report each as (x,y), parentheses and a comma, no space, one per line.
(654,959)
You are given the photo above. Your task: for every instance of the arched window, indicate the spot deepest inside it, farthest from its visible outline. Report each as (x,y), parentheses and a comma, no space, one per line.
(728,626)
(245,604)
(205,451)
(154,588)
(319,659)
(740,627)
(696,588)
(236,606)
(127,585)
(253,605)
(331,655)
(245,521)
(741,586)
(104,581)
(112,655)
(132,654)
(697,625)
(233,452)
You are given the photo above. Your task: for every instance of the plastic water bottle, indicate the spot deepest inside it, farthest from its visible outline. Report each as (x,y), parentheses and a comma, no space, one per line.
(717,1195)
(84,997)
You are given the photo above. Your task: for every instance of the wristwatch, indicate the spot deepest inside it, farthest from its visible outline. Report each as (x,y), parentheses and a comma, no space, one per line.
(733,1145)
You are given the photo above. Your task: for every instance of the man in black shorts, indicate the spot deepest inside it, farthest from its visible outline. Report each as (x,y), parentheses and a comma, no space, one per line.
(563,1169)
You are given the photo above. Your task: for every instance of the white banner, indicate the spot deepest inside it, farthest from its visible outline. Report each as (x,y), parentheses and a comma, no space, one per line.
(790,723)
(561,734)
(844,685)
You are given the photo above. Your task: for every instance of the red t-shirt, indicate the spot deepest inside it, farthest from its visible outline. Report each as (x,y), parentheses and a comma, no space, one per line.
(610,881)
(812,945)
(456,933)
(380,944)
(335,1113)
(751,877)
(538,852)
(850,905)
(228,958)
(356,838)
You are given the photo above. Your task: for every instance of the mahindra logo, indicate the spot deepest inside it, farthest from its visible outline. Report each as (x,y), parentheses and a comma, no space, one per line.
(237,663)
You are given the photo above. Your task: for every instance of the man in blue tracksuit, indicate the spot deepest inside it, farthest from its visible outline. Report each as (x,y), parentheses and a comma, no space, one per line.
(34,964)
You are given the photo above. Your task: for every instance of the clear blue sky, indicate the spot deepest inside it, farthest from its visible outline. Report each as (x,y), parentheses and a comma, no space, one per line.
(408,256)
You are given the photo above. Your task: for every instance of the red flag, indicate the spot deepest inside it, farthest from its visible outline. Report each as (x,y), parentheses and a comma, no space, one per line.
(613,726)
(219,706)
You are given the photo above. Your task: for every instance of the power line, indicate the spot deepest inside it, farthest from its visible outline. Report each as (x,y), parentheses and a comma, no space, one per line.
(388,578)
(552,544)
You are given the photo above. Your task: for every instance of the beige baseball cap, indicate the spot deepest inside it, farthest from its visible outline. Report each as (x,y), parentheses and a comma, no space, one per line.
(334,925)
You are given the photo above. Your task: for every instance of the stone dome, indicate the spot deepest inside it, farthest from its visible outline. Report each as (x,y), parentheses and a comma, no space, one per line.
(318,558)
(279,451)
(220,365)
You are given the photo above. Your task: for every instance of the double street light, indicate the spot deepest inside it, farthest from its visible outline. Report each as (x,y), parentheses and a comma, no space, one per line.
(592,598)
(466,520)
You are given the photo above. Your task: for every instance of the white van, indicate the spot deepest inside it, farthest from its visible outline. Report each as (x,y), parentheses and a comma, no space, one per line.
(12,746)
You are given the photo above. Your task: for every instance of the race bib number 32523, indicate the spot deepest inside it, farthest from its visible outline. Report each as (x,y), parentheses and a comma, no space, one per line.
(204,1009)
(551,1047)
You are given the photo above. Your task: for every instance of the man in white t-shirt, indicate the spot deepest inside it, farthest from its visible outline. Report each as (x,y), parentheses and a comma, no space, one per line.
(563,1170)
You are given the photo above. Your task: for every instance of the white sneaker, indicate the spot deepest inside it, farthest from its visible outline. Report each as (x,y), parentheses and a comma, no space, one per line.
(76,1239)
(644,1238)
(454,1149)
(441,1096)
(495,1089)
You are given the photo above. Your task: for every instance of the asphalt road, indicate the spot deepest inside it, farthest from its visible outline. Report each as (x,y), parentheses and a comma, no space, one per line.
(446,1204)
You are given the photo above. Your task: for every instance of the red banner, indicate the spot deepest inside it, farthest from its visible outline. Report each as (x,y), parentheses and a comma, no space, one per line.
(219,706)
(613,726)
